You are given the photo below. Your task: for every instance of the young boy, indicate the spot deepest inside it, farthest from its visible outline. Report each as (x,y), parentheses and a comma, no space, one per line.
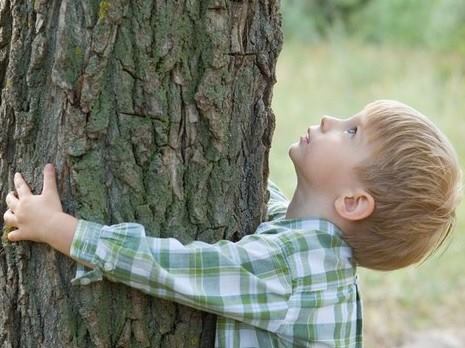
(377,190)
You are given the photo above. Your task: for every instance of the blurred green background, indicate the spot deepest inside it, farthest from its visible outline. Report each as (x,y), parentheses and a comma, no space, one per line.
(337,57)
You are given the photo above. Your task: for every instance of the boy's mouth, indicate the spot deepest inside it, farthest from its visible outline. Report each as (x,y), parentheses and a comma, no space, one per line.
(305,138)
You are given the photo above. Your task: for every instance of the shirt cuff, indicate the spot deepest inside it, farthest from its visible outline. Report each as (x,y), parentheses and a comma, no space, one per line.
(83,248)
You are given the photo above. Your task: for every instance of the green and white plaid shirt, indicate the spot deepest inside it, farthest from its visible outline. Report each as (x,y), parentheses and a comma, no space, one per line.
(291,284)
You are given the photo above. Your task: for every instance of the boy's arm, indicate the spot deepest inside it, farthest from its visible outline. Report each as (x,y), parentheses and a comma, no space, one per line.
(246,281)
(277,204)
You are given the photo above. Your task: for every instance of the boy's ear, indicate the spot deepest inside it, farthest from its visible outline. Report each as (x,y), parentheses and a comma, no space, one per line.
(355,205)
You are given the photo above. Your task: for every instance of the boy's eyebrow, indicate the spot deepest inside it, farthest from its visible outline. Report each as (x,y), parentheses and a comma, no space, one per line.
(360,120)
(362,124)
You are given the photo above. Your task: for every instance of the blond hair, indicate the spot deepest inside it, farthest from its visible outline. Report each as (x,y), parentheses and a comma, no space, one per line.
(415,179)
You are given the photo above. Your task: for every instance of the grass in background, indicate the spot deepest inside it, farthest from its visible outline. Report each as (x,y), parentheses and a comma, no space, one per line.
(338,78)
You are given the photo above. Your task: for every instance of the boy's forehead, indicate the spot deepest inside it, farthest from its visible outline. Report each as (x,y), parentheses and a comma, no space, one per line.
(360,117)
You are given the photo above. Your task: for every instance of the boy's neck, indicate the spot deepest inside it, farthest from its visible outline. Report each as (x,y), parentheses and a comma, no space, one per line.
(307,203)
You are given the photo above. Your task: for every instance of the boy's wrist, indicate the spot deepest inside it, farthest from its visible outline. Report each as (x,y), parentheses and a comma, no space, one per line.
(60,232)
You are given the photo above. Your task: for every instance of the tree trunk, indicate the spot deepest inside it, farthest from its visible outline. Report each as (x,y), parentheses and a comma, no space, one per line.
(155,112)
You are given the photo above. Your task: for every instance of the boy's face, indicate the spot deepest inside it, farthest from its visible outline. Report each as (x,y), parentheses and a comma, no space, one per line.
(325,156)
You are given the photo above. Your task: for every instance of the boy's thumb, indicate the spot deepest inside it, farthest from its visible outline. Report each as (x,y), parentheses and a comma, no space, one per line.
(14,236)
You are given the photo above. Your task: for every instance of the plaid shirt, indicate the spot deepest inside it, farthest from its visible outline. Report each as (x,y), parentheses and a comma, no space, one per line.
(291,284)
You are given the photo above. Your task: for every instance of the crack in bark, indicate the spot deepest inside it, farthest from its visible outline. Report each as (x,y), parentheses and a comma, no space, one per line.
(145,115)
(6,23)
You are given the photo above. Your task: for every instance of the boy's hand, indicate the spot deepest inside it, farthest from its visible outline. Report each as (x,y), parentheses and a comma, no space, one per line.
(33,215)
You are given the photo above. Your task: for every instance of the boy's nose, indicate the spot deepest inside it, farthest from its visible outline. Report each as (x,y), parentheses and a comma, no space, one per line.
(327,122)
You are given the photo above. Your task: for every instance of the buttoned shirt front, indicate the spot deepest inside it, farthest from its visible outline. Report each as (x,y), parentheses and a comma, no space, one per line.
(290,284)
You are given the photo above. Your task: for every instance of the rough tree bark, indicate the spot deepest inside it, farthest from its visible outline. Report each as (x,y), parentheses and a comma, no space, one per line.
(153,111)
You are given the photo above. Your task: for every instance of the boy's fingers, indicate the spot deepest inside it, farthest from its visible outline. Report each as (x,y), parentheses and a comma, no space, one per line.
(21,186)
(11,200)
(50,184)
(10,219)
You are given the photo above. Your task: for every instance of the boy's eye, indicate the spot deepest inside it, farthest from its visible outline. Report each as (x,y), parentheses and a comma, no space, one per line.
(352,130)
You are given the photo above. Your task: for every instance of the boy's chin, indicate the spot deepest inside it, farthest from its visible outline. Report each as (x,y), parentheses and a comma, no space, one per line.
(293,152)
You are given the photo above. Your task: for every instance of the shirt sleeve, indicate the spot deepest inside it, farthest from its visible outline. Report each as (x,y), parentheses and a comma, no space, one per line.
(277,204)
(248,281)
